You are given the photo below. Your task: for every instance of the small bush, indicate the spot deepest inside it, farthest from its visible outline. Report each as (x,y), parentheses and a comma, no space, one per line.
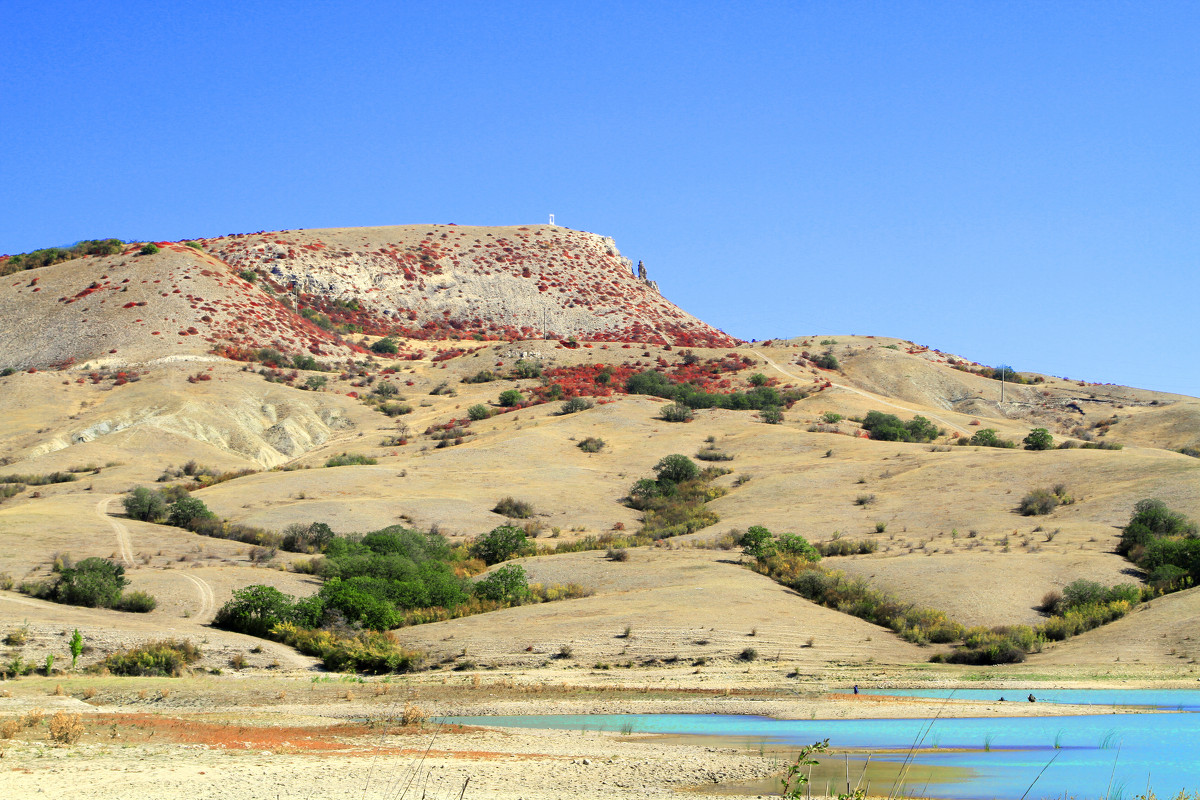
(137,602)
(591,445)
(771,415)
(513,509)
(575,405)
(166,657)
(749,654)
(676,412)
(395,409)
(617,554)
(864,500)
(832,417)
(148,249)
(349,460)
(1037,503)
(66,728)
(478,412)
(385,346)
(510,398)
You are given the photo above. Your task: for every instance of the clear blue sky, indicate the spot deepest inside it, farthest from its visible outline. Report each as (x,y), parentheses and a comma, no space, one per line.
(1014,182)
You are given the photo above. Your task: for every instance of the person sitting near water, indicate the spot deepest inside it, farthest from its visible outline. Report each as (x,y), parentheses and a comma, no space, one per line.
(1031,698)
(856,688)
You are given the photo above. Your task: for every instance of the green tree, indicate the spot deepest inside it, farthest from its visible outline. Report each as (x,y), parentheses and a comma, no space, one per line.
(986,437)
(676,468)
(499,544)
(758,379)
(186,509)
(254,610)
(758,542)
(1039,439)
(478,412)
(507,584)
(93,582)
(145,504)
(148,249)
(510,398)
(76,647)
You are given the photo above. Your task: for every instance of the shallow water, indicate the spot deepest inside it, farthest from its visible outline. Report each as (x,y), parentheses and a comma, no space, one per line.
(1170,699)
(1002,756)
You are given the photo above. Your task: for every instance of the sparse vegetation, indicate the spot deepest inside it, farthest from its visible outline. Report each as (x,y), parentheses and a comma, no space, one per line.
(513,509)
(675,412)
(349,460)
(591,444)
(1043,501)
(165,657)
(575,405)
(55,255)
(674,501)
(93,582)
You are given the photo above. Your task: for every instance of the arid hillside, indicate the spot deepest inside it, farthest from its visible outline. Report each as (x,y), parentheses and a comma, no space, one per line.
(432,281)
(244,371)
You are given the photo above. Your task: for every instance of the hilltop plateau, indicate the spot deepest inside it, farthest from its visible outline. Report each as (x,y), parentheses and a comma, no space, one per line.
(419,375)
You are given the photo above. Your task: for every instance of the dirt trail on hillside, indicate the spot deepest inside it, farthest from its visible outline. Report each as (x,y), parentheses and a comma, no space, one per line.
(124,542)
(870,395)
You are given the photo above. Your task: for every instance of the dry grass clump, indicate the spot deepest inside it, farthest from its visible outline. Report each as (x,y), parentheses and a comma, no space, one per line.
(66,728)
(413,715)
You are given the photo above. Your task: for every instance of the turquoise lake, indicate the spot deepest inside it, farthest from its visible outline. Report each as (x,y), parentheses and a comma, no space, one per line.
(1003,756)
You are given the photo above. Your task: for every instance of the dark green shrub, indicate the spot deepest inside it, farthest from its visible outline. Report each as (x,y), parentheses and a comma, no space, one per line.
(832,417)
(514,509)
(676,468)
(757,379)
(1038,439)
(478,412)
(889,428)
(499,544)
(483,376)
(185,510)
(749,654)
(248,275)
(758,542)
(93,582)
(771,415)
(987,437)
(254,610)
(826,360)
(145,504)
(591,445)
(385,346)
(510,398)
(137,602)
(148,249)
(574,405)
(506,584)
(676,412)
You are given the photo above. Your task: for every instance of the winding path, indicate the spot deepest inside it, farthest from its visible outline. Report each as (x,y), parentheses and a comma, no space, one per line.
(208,599)
(124,542)
(874,397)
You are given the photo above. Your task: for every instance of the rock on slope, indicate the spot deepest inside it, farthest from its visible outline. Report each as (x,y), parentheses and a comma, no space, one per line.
(430,281)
